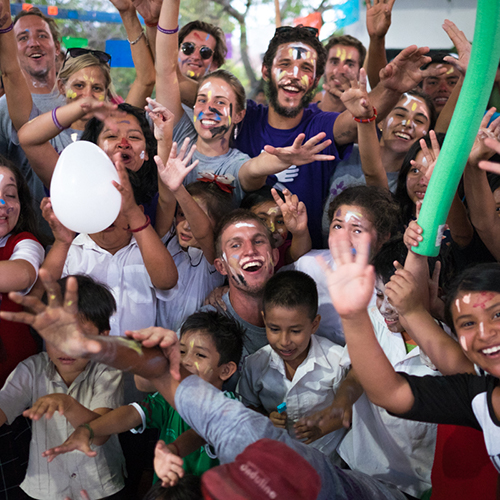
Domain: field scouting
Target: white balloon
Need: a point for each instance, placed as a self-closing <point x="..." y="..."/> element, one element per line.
<point x="82" y="194"/>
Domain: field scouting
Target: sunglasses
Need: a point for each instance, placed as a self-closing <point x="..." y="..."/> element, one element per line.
<point x="287" y="29"/>
<point x="103" y="57"/>
<point x="188" y="48"/>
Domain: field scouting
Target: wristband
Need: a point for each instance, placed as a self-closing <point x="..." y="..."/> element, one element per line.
<point x="6" y="30"/>
<point x="137" y="39"/>
<point x="87" y="426"/>
<point x="56" y="121"/>
<point x="150" y="25"/>
<point x="174" y="444"/>
<point x="167" y="32"/>
<point x="139" y="229"/>
<point x="366" y="120"/>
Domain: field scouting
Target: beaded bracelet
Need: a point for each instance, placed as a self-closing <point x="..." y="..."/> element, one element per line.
<point x="56" y="121"/>
<point x="139" y="229"/>
<point x="87" y="426"/>
<point x="137" y="39"/>
<point x="366" y="120"/>
<point x="6" y="30"/>
<point x="167" y="32"/>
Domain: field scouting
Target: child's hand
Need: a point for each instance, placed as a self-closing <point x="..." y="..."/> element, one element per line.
<point x="175" y="171"/>
<point x="129" y="207"/>
<point x="436" y="305"/>
<point x="480" y="151"/>
<point x="430" y="156"/>
<point x="167" y="340"/>
<point x="214" y="298"/>
<point x="306" y="432"/>
<point x="48" y="405"/>
<point x="61" y="233"/>
<point x="78" y="440"/>
<point x="294" y="211"/>
<point x="351" y="284"/>
<point x="302" y="154"/>
<point x="167" y="465"/>
<point x="163" y="120"/>
<point x="413" y="235"/>
<point x="491" y="166"/>
<point x="402" y="291"/>
<point x="278" y="419"/>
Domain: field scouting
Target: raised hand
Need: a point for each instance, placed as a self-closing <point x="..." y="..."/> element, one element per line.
<point x="351" y="284"/>
<point x="489" y="165"/>
<point x="430" y="156"/>
<point x="60" y="232"/>
<point x="402" y="291"/>
<point x="378" y="17"/>
<point x="101" y="110"/>
<point x="78" y="440"/>
<point x="462" y="45"/>
<point x="163" y="120"/>
<point x="48" y="405"/>
<point x="294" y="211"/>
<point x="168" y="466"/>
<point x="122" y="5"/>
<point x="356" y="99"/>
<point x="56" y="322"/>
<point x="148" y="9"/>
<point x="178" y="165"/>
<point x="480" y="151"/>
<point x="300" y="153"/>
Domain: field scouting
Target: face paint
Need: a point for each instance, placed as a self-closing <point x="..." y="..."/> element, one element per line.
<point x="71" y="94"/>
<point x="463" y="343"/>
<point x="124" y="143"/>
<point x="484" y="298"/>
<point x="101" y="98"/>
<point x="481" y="328"/>
<point x="352" y="215"/>
<point x="243" y="224"/>
<point x="273" y="210"/>
<point x="414" y="106"/>
<point x="298" y="58"/>
<point x="457" y="305"/>
<point x="466" y="298"/>
<point x="141" y="156"/>
<point x="450" y="70"/>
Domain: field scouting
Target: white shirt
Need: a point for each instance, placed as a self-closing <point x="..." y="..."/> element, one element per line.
<point x="388" y="448"/>
<point x="197" y="278"/>
<point x="331" y="324"/>
<point x="264" y="383"/>
<point x="98" y="386"/>
<point x="125" y="275"/>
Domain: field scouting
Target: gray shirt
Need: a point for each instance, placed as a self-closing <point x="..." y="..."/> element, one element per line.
<point x="230" y="427"/>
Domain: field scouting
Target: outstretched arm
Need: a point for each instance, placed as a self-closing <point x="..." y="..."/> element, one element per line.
<point x="351" y="288"/>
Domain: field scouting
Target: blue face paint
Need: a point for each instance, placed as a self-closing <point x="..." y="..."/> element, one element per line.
<point x="216" y="112"/>
<point x="2" y="201"/>
<point x="208" y="36"/>
<point x="200" y="116"/>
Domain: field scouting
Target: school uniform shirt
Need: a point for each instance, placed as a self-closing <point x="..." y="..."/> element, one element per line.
<point x="263" y="383"/>
<point x="330" y="326"/>
<point x="197" y="278"/>
<point x="385" y="447"/>
<point x="98" y="386"/>
<point x="125" y="275"/>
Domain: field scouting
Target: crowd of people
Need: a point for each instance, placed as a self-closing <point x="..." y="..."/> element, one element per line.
<point x="255" y="323"/>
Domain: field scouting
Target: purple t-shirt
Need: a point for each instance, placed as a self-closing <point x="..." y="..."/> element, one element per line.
<point x="312" y="183"/>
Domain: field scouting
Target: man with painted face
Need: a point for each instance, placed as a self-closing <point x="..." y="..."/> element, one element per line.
<point x="292" y="66"/>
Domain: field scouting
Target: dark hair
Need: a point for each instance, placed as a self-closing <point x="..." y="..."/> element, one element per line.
<point x="218" y="202"/>
<point x="347" y="41"/>
<point x="187" y="488"/>
<point x="35" y="11"/>
<point x="27" y="220"/>
<point x="259" y="196"/>
<point x="437" y="57"/>
<point x="145" y="180"/>
<point x="407" y="207"/>
<point x="291" y="289"/>
<point x="220" y="51"/>
<point x="391" y="250"/>
<point x="480" y="278"/>
<point x="233" y="82"/>
<point x="95" y="302"/>
<point x="378" y="203"/>
<point x="238" y="215"/>
<point x="227" y="334"/>
<point x="297" y="34"/>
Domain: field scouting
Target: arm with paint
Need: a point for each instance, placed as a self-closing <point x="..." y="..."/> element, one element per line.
<point x="35" y="135"/>
<point x="295" y="219"/>
<point x="167" y="81"/>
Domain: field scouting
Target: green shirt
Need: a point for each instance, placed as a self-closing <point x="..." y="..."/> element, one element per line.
<point x="158" y="414"/>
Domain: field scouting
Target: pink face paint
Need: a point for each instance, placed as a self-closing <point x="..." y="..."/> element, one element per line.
<point x="124" y="143"/>
<point x="483" y="299"/>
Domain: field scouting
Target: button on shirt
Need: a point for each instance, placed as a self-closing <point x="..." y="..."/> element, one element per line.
<point x="126" y="276"/>
<point x="264" y="383"/>
<point x="98" y="386"/>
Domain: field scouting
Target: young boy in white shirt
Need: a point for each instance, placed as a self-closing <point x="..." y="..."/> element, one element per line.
<point x="63" y="393"/>
<point x="297" y="367"/>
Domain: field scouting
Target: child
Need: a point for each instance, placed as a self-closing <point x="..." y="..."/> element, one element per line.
<point x="297" y="367"/>
<point x="211" y="346"/>
<point x="281" y="213"/>
<point x="79" y="389"/>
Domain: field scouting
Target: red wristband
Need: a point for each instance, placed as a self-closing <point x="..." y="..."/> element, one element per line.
<point x="148" y="222"/>
<point x="366" y="120"/>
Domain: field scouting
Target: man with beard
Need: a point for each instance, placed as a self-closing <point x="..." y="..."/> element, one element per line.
<point x="292" y="67"/>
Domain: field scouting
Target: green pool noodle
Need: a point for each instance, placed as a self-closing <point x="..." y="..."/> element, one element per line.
<point x="463" y="128"/>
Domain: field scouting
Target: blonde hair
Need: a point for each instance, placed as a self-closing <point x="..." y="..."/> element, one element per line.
<point x="75" y="64"/>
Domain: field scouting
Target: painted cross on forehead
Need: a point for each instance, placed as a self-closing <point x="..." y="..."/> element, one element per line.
<point x="295" y="61"/>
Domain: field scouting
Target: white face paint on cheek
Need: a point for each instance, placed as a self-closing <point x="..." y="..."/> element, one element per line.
<point x="481" y="328"/>
<point x="142" y="155"/>
<point x="463" y="343"/>
<point x="243" y="224"/>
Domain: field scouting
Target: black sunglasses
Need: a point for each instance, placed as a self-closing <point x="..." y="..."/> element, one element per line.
<point x="188" y="48"/>
<point x="286" y="29"/>
<point x="103" y="57"/>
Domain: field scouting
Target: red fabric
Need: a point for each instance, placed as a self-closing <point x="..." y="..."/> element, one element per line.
<point x="282" y="254"/>
<point x="462" y="468"/>
<point x="17" y="343"/>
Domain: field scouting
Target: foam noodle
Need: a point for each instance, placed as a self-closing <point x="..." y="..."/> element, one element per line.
<point x="464" y="125"/>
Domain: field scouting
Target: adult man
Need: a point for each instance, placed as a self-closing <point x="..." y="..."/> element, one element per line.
<point x="345" y="54"/>
<point x="292" y="66"/>
<point x="202" y="49"/>
<point x="38" y="46"/>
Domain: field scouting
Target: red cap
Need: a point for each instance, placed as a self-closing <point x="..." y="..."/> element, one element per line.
<point x="266" y="469"/>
